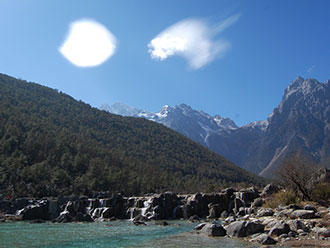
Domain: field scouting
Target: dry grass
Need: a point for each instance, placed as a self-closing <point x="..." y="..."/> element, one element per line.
<point x="282" y="198"/>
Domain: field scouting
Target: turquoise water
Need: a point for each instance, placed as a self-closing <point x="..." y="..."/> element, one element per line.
<point x="107" y="235"/>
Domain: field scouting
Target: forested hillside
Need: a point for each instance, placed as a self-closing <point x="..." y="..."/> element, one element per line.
<point x="51" y="144"/>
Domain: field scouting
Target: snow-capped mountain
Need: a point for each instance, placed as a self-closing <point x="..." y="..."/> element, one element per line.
<point x="196" y="125"/>
<point x="301" y="122"/>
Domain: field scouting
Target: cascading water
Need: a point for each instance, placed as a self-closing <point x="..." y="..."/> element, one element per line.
<point x="147" y="205"/>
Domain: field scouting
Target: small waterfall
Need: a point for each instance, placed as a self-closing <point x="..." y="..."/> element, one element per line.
<point x="133" y="212"/>
<point x="174" y="212"/>
<point x="97" y="213"/>
<point x="89" y="208"/>
<point x="147" y="205"/>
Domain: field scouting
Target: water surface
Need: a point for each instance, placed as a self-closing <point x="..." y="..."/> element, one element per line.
<point x="107" y="235"/>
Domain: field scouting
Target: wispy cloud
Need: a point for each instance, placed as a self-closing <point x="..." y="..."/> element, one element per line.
<point x="311" y="68"/>
<point x="88" y="43"/>
<point x="193" y="39"/>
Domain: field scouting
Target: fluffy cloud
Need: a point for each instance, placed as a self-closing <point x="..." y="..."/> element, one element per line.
<point x="88" y="43"/>
<point x="193" y="39"/>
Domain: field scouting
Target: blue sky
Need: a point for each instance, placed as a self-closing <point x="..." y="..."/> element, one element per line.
<point x="268" y="45"/>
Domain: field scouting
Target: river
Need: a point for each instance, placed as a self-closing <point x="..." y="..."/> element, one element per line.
<point x="107" y="235"/>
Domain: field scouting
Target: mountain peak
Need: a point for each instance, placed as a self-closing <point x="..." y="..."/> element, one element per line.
<point x="300" y="85"/>
<point x="120" y="109"/>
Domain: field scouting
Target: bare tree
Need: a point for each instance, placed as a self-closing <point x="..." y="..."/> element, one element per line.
<point x="295" y="173"/>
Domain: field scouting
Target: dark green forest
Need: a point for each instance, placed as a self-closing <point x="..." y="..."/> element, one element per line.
<point x="51" y="144"/>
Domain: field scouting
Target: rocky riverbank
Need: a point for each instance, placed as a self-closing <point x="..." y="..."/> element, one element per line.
<point x="228" y="213"/>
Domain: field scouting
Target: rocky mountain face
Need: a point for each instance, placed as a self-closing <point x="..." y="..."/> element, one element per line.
<point x="301" y="122"/>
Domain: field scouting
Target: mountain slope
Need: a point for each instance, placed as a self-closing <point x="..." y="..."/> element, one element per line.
<point x="301" y="123"/>
<point x="52" y="144"/>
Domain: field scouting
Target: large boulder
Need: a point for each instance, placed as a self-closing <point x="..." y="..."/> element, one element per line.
<point x="107" y="213"/>
<point x="310" y="207"/>
<point x="264" y="239"/>
<point x="215" y="210"/>
<point x="213" y="230"/>
<point x="303" y="214"/>
<point x="279" y="228"/>
<point x="265" y="212"/>
<point x="244" y="228"/>
<point x="299" y="225"/>
<point x="269" y="190"/>
<point x="38" y="210"/>
<point x="321" y="232"/>
<point x="248" y="195"/>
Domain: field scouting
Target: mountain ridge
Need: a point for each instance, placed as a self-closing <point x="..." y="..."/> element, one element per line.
<point x="52" y="144"/>
<point x="258" y="146"/>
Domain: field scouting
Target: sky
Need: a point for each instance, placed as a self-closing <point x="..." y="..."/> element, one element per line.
<point x="232" y="58"/>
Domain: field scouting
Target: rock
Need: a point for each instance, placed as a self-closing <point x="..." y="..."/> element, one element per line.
<point x="64" y="217"/>
<point x="294" y="207"/>
<point x="248" y="195"/>
<point x="242" y="211"/>
<point x="258" y="202"/>
<point x="107" y="213"/>
<point x="279" y="229"/>
<point x="302" y="214"/>
<point x="321" y="232"/>
<point x="283" y="213"/>
<point x="163" y="223"/>
<point x="194" y="218"/>
<point x="284" y="236"/>
<point x="269" y="189"/>
<point x="213" y="230"/>
<point x="230" y="219"/>
<point x="265" y="212"/>
<point x="244" y="228"/>
<point x="84" y="217"/>
<point x="20" y="203"/>
<point x="140" y="218"/>
<point x="224" y="214"/>
<point x="200" y="226"/>
<point x="292" y="234"/>
<point x="265" y="239"/>
<point x="310" y="207"/>
<point x="215" y="211"/>
<point x="53" y="209"/>
<point x="269" y="222"/>
<point x="297" y="224"/>
<point x="37" y="221"/>
<point x="35" y="211"/>
<point x="139" y="223"/>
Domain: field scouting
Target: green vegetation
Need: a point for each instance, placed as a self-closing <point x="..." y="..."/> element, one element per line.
<point x="51" y="144"/>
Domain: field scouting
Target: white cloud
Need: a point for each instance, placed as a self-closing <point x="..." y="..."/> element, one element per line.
<point x="88" y="43"/>
<point x="192" y="39"/>
<point x="311" y="68"/>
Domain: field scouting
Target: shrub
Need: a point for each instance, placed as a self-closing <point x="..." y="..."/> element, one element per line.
<point x="282" y="198"/>
<point x="321" y="193"/>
